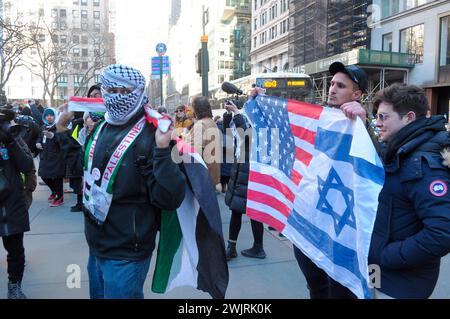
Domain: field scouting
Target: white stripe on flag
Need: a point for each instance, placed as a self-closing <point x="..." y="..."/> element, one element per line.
<point x="348" y="279"/>
<point x="303" y="121"/>
<point x="269" y="190"/>
<point x="187" y="216"/>
<point x="267" y="209"/>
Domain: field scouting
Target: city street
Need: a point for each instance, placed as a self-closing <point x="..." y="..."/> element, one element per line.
<point x="56" y="241"/>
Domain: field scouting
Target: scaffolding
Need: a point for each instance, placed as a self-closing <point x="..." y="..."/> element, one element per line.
<point x="323" y="28"/>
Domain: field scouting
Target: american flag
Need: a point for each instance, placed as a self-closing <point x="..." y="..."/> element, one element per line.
<point x="281" y="147"/>
<point x="315" y="176"/>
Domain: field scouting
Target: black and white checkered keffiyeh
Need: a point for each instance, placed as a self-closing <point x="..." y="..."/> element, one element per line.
<point x="122" y="107"/>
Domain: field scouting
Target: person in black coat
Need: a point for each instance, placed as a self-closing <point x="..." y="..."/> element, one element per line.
<point x="15" y="159"/>
<point x="236" y="195"/>
<point x="121" y="224"/>
<point x="412" y="227"/>
<point x="52" y="167"/>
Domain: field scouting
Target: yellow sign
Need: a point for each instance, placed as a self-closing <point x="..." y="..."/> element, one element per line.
<point x="296" y="83"/>
<point x="270" y="84"/>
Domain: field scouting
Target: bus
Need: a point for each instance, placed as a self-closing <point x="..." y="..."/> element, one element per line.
<point x="296" y="86"/>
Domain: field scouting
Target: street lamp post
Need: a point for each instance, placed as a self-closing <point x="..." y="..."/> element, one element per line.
<point x="204" y="55"/>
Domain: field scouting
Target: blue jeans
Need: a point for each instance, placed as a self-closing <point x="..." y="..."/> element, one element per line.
<point x="117" y="279"/>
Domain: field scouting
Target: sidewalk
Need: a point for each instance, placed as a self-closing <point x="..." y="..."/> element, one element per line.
<point x="56" y="241"/>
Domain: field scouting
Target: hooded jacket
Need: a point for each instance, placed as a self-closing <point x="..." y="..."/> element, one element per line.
<point x="412" y="228"/>
<point x="52" y="163"/>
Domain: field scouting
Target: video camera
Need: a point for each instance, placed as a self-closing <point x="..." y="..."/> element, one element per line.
<point x="6" y="116"/>
<point x="233" y="89"/>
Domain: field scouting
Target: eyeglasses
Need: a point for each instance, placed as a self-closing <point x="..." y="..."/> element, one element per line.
<point x="382" y="116"/>
<point x="178" y="111"/>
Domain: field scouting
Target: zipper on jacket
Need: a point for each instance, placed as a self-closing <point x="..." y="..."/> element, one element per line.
<point x="136" y="243"/>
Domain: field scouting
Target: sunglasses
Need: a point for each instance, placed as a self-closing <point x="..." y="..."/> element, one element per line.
<point x="178" y="111"/>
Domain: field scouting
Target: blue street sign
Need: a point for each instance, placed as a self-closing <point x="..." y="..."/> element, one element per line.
<point x="157" y="65"/>
<point x="157" y="59"/>
<point x="161" y="49"/>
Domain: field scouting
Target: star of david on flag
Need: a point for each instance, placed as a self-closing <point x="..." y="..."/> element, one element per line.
<point x="315" y="176"/>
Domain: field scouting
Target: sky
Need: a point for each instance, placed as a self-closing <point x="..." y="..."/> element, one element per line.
<point x="140" y="26"/>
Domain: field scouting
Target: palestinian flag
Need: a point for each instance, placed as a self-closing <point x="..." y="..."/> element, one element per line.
<point x="191" y="249"/>
<point x="85" y="104"/>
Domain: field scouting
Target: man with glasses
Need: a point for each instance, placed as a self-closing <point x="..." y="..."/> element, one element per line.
<point x="346" y="89"/>
<point x="412" y="228"/>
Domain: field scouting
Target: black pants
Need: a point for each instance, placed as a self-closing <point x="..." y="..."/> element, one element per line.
<point x="76" y="183"/>
<point x="320" y="285"/>
<point x="56" y="185"/>
<point x="15" y="257"/>
<point x="235" y="228"/>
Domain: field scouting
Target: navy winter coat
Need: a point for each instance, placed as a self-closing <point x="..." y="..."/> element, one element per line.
<point x="412" y="228"/>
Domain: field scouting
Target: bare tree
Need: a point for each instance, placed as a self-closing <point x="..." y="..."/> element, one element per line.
<point x="101" y="58"/>
<point x="51" y="60"/>
<point x="14" y="41"/>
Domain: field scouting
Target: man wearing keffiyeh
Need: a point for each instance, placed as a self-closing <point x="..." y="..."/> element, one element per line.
<point x="129" y="178"/>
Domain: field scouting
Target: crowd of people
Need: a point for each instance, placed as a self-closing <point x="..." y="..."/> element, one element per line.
<point x="412" y="228"/>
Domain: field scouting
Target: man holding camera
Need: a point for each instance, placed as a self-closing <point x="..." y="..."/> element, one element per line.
<point x="15" y="159"/>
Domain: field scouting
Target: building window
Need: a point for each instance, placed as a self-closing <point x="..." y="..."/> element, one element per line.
<point x="41" y="12"/>
<point x="96" y="26"/>
<point x="76" y="65"/>
<point x="54" y="38"/>
<point x="84" y="2"/>
<point x="393" y="7"/>
<point x="444" y="52"/>
<point x="96" y="3"/>
<point x="84" y="39"/>
<point x="84" y="65"/>
<point x="63" y="26"/>
<point x="411" y="41"/>
<point x="75" y="1"/>
<point x="256" y="4"/>
<point x="63" y="39"/>
<point x="255" y="42"/>
<point x="76" y="52"/>
<point x="62" y="13"/>
<point x="84" y="26"/>
<point x="96" y="14"/>
<point x="75" y="13"/>
<point x="62" y="78"/>
<point x="84" y="14"/>
<point x="387" y="42"/>
<point x="84" y="52"/>
<point x="76" y="39"/>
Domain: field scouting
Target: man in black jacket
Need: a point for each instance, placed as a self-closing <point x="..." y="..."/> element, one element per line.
<point x="412" y="228"/>
<point x="129" y="178"/>
<point x="15" y="159"/>
<point x="346" y="88"/>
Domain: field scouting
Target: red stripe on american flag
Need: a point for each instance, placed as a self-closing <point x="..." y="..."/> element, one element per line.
<point x="296" y="177"/>
<point x="269" y="201"/>
<point x="305" y="109"/>
<point x="265" y="218"/>
<point x="272" y="182"/>
<point x="303" y="156"/>
<point x="304" y="134"/>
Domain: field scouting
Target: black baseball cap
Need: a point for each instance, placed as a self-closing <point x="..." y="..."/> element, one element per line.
<point x="356" y="74"/>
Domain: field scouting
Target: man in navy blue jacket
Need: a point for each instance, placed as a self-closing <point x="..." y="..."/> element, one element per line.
<point x="412" y="228"/>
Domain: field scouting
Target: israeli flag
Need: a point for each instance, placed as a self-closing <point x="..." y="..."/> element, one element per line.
<point x="336" y="201"/>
